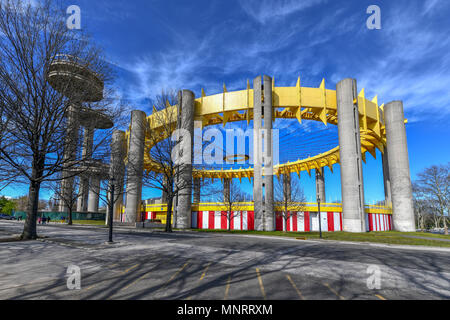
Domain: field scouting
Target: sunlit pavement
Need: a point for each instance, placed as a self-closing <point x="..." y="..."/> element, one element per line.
<point x="197" y="266"/>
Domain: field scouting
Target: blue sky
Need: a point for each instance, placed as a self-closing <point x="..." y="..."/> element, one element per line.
<point x="157" y="45"/>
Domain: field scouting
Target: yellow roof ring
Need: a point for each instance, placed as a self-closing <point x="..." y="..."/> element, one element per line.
<point x="301" y="103"/>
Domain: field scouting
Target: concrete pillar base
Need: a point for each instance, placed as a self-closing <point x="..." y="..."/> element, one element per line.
<point x="354" y="217"/>
<point x="352" y="225"/>
<point x="135" y="167"/>
<point x="399" y="172"/>
<point x="185" y="122"/>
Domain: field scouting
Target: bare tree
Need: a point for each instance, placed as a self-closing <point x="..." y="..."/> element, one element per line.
<point x="70" y="200"/>
<point x="231" y="197"/>
<point x="165" y="168"/>
<point x="289" y="195"/>
<point x="33" y="114"/>
<point x="421" y="207"/>
<point x="433" y="187"/>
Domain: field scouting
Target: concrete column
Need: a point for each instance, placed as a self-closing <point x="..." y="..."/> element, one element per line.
<point x="350" y="156"/>
<point x="82" y="201"/>
<point x="386" y="179"/>
<point x="135" y="167"/>
<point x="197" y="190"/>
<point x="94" y="194"/>
<point x="70" y="154"/>
<point x="88" y="141"/>
<point x="226" y="190"/>
<point x="399" y="172"/>
<point x="117" y="171"/>
<point x="269" y="215"/>
<point x="257" y="154"/>
<point x="320" y="185"/>
<point x="287" y="191"/>
<point x="186" y="100"/>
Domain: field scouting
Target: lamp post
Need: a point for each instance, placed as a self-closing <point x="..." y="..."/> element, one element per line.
<point x="320" y="217"/>
<point x="318" y="204"/>
<point x="110" y="213"/>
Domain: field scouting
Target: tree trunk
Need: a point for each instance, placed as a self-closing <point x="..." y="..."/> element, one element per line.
<point x="286" y="217"/>
<point x="29" y="230"/>
<point x="169" y="215"/>
<point x="70" y="217"/>
<point x="445" y="226"/>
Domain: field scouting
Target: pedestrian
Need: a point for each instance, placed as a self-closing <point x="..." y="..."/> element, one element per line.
<point x="44" y="219"/>
<point x="48" y="220"/>
<point x="39" y="220"/>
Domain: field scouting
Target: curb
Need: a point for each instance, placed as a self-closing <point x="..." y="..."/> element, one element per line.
<point x="372" y="244"/>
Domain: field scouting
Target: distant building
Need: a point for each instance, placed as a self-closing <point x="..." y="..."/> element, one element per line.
<point x="152" y="201"/>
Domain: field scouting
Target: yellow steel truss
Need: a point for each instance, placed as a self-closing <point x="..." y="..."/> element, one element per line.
<point x="301" y="103"/>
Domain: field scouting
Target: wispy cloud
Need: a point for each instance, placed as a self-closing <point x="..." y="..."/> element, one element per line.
<point x="430" y="5"/>
<point x="265" y="11"/>
<point x="414" y="67"/>
<point x="408" y="59"/>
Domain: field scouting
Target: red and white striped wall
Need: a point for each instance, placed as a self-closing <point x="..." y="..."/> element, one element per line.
<point x="308" y="221"/>
<point x="221" y="220"/>
<point x="150" y="215"/>
<point x="379" y="222"/>
<point x="296" y="222"/>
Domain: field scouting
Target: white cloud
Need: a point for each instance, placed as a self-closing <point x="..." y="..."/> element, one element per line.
<point x="264" y="11"/>
<point x="415" y="67"/>
<point x="429" y="6"/>
<point x="411" y="60"/>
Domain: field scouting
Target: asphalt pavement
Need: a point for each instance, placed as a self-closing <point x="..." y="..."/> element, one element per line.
<point x="209" y="266"/>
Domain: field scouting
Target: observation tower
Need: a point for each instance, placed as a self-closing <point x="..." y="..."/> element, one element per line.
<point x="69" y="76"/>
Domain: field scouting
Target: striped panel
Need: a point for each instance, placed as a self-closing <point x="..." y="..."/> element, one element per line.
<point x="294" y="222"/>
<point x="205" y="216"/>
<point x="237" y="220"/>
<point x="307" y="222"/>
<point x="287" y="221"/>
<point x="337" y="221"/>
<point x="224" y="221"/>
<point x="244" y="220"/>
<point x="218" y="220"/>
<point x="300" y="221"/>
<point x="251" y="220"/>
<point x="330" y="220"/>
<point x="211" y="220"/>
<point x="278" y="221"/>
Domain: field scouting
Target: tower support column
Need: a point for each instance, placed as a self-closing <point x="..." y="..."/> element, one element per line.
<point x="82" y="201"/>
<point x="94" y="194"/>
<point x="70" y="153"/>
<point x="257" y="154"/>
<point x="399" y="172"/>
<point x="135" y="167"/>
<point x="263" y="154"/>
<point x="269" y="218"/>
<point x="386" y="179"/>
<point x="185" y="123"/>
<point x="88" y="141"/>
<point x="350" y="157"/>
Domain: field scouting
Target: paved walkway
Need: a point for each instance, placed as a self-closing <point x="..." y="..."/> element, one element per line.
<point x="203" y="266"/>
